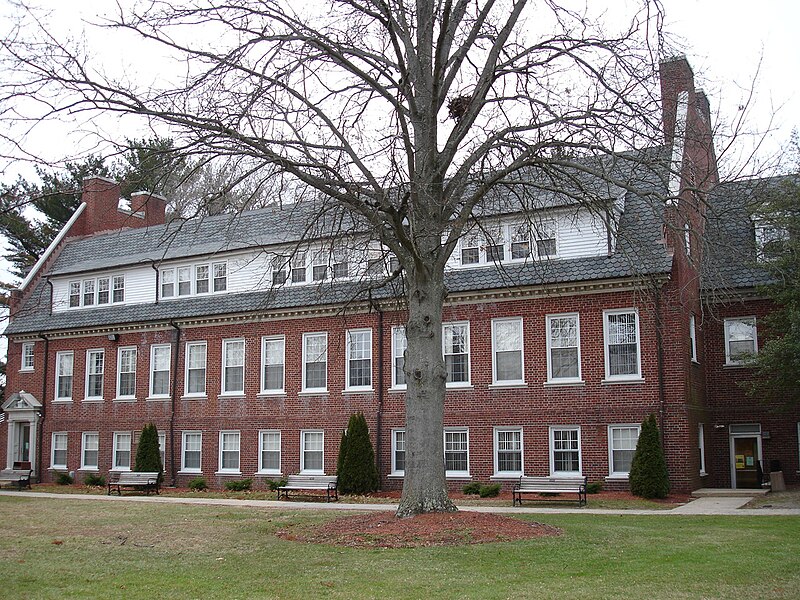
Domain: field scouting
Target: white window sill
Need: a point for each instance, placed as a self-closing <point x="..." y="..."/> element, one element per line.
<point x="450" y="387"/>
<point x="125" y="399"/>
<point x="695" y="362"/>
<point x="507" y="385"/>
<point x="736" y="366"/>
<point x="622" y="381"/>
<point x="703" y="474"/>
<point x="397" y="475"/>
<point x="57" y="468"/>
<point x="347" y="391"/>
<point x="27" y="370"/>
<point x="271" y="394"/>
<point x="505" y="476"/>
<point x="397" y="390"/>
<point x="232" y="395"/>
<point x="312" y="473"/>
<point x="319" y="392"/>
<point x="190" y="472"/>
<point x="617" y="477"/>
<point x="157" y="398"/>
<point x="120" y="470"/>
<point x="268" y="473"/>
<point x="566" y="474"/>
<point x="233" y="473"/>
<point x="457" y="475"/>
<point x="565" y="383"/>
<point x="194" y="397"/>
<point x="62" y="401"/>
<point x="92" y="400"/>
<point x="89" y="470"/>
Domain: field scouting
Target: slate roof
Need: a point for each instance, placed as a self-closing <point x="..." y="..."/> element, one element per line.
<point x="639" y="252"/>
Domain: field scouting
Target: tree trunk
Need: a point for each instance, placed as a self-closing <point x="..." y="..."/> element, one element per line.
<point x="424" y="486"/>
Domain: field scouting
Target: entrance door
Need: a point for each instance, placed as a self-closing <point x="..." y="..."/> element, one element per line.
<point x="745" y="459"/>
<point x="23" y="442"/>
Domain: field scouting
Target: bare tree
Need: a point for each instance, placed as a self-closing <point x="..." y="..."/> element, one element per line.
<point x="409" y="115"/>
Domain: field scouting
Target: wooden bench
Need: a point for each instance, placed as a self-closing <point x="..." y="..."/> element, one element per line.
<point x="310" y="483"/>
<point x="133" y="480"/>
<point x="550" y="485"/>
<point x="19" y="476"/>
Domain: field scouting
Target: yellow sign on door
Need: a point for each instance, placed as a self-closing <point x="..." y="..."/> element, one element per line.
<point x="740" y="461"/>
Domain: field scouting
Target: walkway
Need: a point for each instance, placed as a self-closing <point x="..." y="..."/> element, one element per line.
<point x="701" y="506"/>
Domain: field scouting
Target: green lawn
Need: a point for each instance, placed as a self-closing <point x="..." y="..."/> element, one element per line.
<point x="62" y="548"/>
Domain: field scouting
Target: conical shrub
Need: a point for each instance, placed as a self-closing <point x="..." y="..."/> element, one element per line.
<point x="357" y="471"/>
<point x="649" y="477"/>
<point x="148" y="454"/>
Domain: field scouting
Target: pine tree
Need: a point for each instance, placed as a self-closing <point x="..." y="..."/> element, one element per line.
<point x="357" y="472"/>
<point x="649" y="477"/>
<point x="343" y="446"/>
<point x="148" y="454"/>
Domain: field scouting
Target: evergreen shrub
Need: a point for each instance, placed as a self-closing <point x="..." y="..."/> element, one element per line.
<point x="357" y="471"/>
<point x="148" y="454"/>
<point x="649" y="477"/>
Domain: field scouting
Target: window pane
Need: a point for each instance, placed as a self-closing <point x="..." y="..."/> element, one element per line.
<point x="399" y="450"/>
<point x="455" y="451"/>
<point x="399" y="348"/>
<point x="220" y="277"/>
<point x="271" y="451"/>
<point x="313" y="445"/>
<point x="622" y="344"/>
<point x="273" y="364"/>
<point x="509" y="451"/>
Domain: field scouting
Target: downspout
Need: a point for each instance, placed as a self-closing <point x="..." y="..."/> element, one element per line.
<point x="158" y="289"/>
<point x="660" y="358"/>
<point x="176" y="339"/>
<point x="40" y="425"/>
<point x="379" y="415"/>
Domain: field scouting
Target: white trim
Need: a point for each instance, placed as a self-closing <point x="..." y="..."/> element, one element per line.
<point x="454" y="474"/>
<point x="53" y="464"/>
<point x="225" y="343"/>
<point x="230" y="471"/>
<point x="184" y="469"/>
<point x="348" y="343"/>
<point x="693" y="338"/>
<point x="59" y="355"/>
<point x="395" y="471"/>
<point x="497" y="473"/>
<point x="114" y="465"/>
<point x="153" y="347"/>
<point x="701" y="443"/>
<point x="553" y="472"/>
<point x="521" y="349"/>
<point x="755" y="432"/>
<point x="86" y="396"/>
<point x="84" y="466"/>
<point x="726" y="327"/>
<point x="562" y="380"/>
<point x="637" y="376"/>
<point x="186" y="354"/>
<point x="273" y="391"/>
<point x="468" y="382"/>
<point x="53" y="245"/>
<point x="397" y="386"/>
<point x="119" y="372"/>
<point x="303" y="469"/>
<point x="612" y="474"/>
<point x="23" y="367"/>
<point x="261" y="469"/>
<point x="316" y="390"/>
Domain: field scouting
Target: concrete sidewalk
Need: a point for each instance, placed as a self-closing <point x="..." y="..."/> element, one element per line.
<point x="700" y="506"/>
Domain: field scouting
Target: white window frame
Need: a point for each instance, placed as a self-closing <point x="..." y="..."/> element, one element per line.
<point x="496" y="452"/>
<point x="187" y="353"/>
<point x="223" y="267"/>
<point x="701" y="445"/>
<point x="58" y="435"/>
<point x="114" y="450"/>
<point x="230" y="470"/>
<point x="84" y="448"/>
<point x="74" y="290"/>
<point x="184" y="274"/>
<point x="224" y="391"/>
<point x="468" y="382"/>
<point x="549" y="346"/>
<point x="545" y="226"/>
<point x="59" y="357"/>
<point x="693" y="338"/>
<point x="89" y="292"/>
<point x="115" y="288"/>
<point x="727" y="325"/>
<point x="161" y="283"/>
<point x="687" y="239"/>
<point x="398" y="332"/>
<point x="121" y="396"/>
<point x="766" y="232"/>
<point x="153" y="349"/>
<point x="102" y="375"/>
<point x="27" y="352"/>
<point x="553" y="472"/>
<point x="270" y="339"/>
<point x="626" y="376"/>
<point x="348" y="347"/>
<point x="454" y="474"/>
<point x="104" y="287"/>
<point x="521" y="350"/>
<point x="162" y="449"/>
<point x="395" y="471"/>
<point x="613" y="474"/>
<point x="184" y="435"/>
<point x="261" y="468"/>
<point x="307" y="336"/>
<point x="303" y="469"/>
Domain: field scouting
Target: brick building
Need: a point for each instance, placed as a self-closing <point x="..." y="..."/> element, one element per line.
<point x="249" y="342"/>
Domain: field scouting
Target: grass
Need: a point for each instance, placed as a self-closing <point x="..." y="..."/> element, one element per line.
<point x="613" y="502"/>
<point x="61" y="548"/>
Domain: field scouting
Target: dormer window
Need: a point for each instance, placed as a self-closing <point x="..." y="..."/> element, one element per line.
<point x="341" y="265"/>
<point x="771" y="240"/>
<point x="520" y="242"/>
<point x="186" y="280"/>
<point x="470" y="249"/>
<point x="319" y="269"/>
<point x="103" y="293"/>
<point x="299" y="267"/>
<point x="495" y="245"/>
<point x="279" y="266"/>
<point x="220" y="276"/>
<point x="167" y="283"/>
<point x="201" y="279"/>
<point x="546" y="241"/>
<point x="95" y="291"/>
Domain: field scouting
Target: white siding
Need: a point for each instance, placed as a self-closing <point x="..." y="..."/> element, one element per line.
<point x="140" y="284"/>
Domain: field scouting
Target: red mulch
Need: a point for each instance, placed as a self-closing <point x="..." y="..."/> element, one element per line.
<point x="384" y="530"/>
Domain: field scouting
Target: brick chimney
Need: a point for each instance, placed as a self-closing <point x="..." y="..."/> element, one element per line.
<point x="104" y="213"/>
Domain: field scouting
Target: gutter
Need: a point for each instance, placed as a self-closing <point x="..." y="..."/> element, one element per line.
<point x="40" y="424"/>
<point x="176" y="339"/>
<point x="379" y="416"/>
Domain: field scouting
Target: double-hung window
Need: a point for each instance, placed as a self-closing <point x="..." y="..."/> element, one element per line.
<point x="470" y="248"/>
<point x="280" y="264"/>
<point x="27" y="356"/>
<point x="741" y="340"/>
<point x="622" y="441"/>
<point x="359" y="359"/>
<point x="565" y="451"/>
<point x="455" y="347"/>
<point x="399" y="346"/>
<point x="563" y="348"/>
<point x="495" y="244"/>
<point x="58" y="458"/>
<point x="319" y="267"/>
<point x="167" y="277"/>
<point x="341" y="264"/>
<point x="546" y="239"/>
<point x="162" y="449"/>
<point x="195" y="368"/>
<point x="229" y="451"/>
<point x="315" y="362"/>
<point x="220" y="271"/>
<point x="74" y="294"/>
<point x="269" y="452"/>
<point x="201" y="275"/>
<point x="233" y="366"/>
<point x="312" y="452"/>
<point x="692" y="338"/>
<point x="95" y="367"/>
<point x="701" y="447"/>
<point x="508" y="452"/>
<point x="398" y="451"/>
<point x="126" y="373"/>
<point x="118" y="288"/>
<point x="103" y="291"/>
<point x="90" y="447"/>
<point x="507" y="351"/>
<point x="192" y="445"/>
<point x="184" y="281"/>
<point x="622" y="352"/>
<point x="456" y="452"/>
<point x="160" y="355"/>
<point x="298" y="267"/>
<point x="88" y="292"/>
<point x="64" y="363"/>
<point x="122" y="451"/>
<point x="520" y="241"/>
<point x="272" y="364"/>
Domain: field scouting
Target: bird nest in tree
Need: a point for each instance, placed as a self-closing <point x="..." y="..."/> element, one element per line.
<point x="384" y="530"/>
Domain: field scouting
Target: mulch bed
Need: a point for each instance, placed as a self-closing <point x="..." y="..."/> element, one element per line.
<point x="384" y="530"/>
